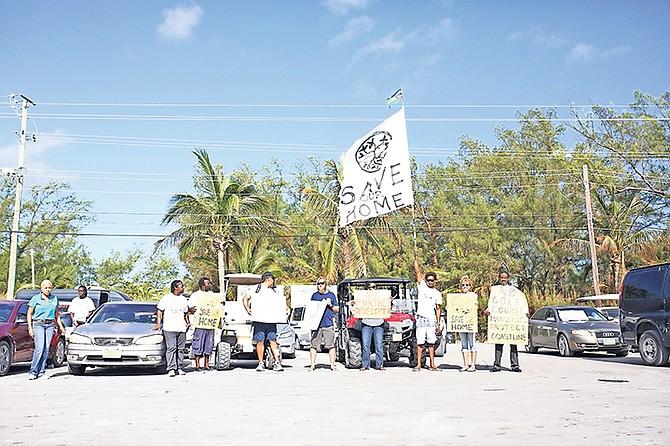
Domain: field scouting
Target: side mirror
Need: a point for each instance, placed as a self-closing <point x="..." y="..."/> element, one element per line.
<point x="610" y="318"/>
<point x="21" y="319"/>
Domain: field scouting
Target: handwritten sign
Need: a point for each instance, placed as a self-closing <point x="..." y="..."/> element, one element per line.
<point x="507" y="323"/>
<point x="209" y="310"/>
<point x="314" y="313"/>
<point x="372" y="304"/>
<point x="462" y="312"/>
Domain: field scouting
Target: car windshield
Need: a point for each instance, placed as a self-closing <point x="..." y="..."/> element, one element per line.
<point x="298" y="314"/>
<point x="580" y="315"/>
<point x="114" y="313"/>
<point x="611" y="312"/>
<point x="5" y="311"/>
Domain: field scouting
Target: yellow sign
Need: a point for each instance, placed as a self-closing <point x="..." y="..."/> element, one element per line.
<point x="373" y="304"/>
<point x="462" y="312"/>
<point x="209" y="310"/>
<point x="508" y="320"/>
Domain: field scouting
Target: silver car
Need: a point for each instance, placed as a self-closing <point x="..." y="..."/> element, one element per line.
<point x="574" y="329"/>
<point x="118" y="334"/>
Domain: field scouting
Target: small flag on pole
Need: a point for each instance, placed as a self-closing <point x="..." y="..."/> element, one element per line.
<point x="395" y="98"/>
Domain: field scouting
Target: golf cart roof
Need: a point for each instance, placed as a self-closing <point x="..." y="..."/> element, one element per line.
<point x="377" y="280"/>
<point x="598" y="297"/>
<point x="243" y="279"/>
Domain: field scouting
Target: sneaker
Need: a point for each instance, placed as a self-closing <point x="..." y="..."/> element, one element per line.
<point x="260" y="367"/>
<point x="32" y="377"/>
<point x="172" y="373"/>
<point x="495" y="369"/>
<point x="516" y="369"/>
<point x="277" y="367"/>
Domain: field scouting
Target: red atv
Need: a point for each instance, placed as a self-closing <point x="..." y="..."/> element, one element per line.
<point x="399" y="329"/>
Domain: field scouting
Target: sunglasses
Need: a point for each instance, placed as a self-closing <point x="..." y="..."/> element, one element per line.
<point x="465" y="285"/>
<point x="430" y="280"/>
<point x="321" y="283"/>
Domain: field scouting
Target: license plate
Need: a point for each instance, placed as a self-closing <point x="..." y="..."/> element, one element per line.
<point x="111" y="353"/>
<point x="609" y="341"/>
<point x="397" y="337"/>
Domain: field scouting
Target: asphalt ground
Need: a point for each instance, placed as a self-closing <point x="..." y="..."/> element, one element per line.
<point x="595" y="399"/>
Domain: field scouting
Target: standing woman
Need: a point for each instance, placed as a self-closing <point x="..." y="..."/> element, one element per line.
<point x="468" y="339"/>
<point x="43" y="317"/>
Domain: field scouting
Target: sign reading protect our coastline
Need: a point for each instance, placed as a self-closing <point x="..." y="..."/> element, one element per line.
<point x="462" y="312"/>
<point x="507" y="323"/>
<point x="209" y="311"/>
<point x="376" y="174"/>
<point x="372" y="304"/>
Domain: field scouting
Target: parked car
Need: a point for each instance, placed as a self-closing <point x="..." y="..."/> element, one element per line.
<point x="607" y="304"/>
<point x="118" y="334"/>
<point x="645" y="312"/>
<point x="16" y="345"/>
<point x="574" y="329"/>
<point x="99" y="296"/>
<point x="297" y="321"/>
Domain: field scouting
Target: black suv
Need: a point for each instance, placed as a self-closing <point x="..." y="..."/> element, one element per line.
<point x="645" y="312"/>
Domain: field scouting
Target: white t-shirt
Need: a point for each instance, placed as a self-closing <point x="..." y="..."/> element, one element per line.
<point x="80" y="308"/>
<point x="173" y="308"/>
<point x="267" y="306"/>
<point x="428" y="298"/>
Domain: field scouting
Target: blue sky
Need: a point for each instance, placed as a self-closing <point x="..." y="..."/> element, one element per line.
<point x="126" y="89"/>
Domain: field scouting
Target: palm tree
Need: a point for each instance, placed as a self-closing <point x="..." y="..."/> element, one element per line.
<point x="220" y="212"/>
<point x="342" y="254"/>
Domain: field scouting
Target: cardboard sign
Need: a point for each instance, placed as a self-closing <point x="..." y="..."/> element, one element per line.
<point x="462" y="312"/>
<point x="314" y="313"/>
<point x="507" y="323"/>
<point x="209" y="310"/>
<point x="372" y="304"/>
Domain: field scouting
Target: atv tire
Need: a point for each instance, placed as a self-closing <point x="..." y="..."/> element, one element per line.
<point x="223" y="356"/>
<point x="354" y="358"/>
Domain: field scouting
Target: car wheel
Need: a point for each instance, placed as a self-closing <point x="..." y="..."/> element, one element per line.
<point x="530" y="348"/>
<point x="652" y="350"/>
<point x="5" y="357"/>
<point x="354" y="358"/>
<point x="59" y="353"/>
<point x="76" y="369"/>
<point x="564" y="346"/>
<point x="222" y="356"/>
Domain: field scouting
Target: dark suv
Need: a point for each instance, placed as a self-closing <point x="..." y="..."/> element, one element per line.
<point x="645" y="312"/>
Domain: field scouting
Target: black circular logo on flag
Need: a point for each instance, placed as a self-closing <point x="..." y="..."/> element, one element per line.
<point x="372" y="151"/>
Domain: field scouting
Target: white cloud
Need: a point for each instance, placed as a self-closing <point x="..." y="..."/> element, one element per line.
<point x="179" y="22"/>
<point x="352" y="29"/>
<point x="584" y="52"/>
<point x="342" y="7"/>
<point x="536" y="34"/>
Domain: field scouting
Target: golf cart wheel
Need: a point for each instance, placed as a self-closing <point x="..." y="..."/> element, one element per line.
<point x="223" y="356"/>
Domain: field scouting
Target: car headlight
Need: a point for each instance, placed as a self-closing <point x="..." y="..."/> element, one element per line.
<point x="582" y="332"/>
<point x="77" y="338"/>
<point x="150" y="340"/>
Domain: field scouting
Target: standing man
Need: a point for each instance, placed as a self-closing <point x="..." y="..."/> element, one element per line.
<point x="172" y="312"/>
<point x="325" y="333"/>
<point x="203" y="338"/>
<point x="42" y="318"/>
<point x="427" y="315"/>
<point x="506" y="290"/>
<point x="266" y="309"/>
<point x="81" y="307"/>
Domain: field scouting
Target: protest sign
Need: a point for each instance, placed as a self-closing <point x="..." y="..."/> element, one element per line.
<point x="462" y="312"/>
<point x="314" y="313"/>
<point x="372" y="304"/>
<point x="209" y="310"/>
<point x="507" y="322"/>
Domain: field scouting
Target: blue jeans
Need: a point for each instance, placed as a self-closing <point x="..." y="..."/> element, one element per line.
<point x="367" y="333"/>
<point x="43" y="334"/>
<point x="467" y="342"/>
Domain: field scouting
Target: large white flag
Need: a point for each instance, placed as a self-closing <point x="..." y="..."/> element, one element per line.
<point x="377" y="177"/>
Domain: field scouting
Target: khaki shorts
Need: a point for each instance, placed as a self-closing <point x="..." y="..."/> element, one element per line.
<point x="325" y="335"/>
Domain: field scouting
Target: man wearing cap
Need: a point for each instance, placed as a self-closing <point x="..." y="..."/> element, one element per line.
<point x="266" y="309"/>
<point x="325" y="333"/>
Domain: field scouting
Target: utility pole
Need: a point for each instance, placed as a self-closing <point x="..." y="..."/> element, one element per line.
<point x="589" y="224"/>
<point x="14" y="240"/>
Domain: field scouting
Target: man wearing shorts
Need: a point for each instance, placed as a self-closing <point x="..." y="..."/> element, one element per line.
<point x="203" y="338"/>
<point x="427" y="315"/>
<point x="266" y="309"/>
<point x="325" y="333"/>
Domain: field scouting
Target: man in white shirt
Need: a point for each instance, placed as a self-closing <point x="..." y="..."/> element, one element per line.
<point x="266" y="308"/>
<point x="81" y="307"/>
<point x="172" y="312"/>
<point x="427" y="315"/>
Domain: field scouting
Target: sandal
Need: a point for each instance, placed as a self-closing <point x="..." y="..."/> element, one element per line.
<point x="434" y="369"/>
<point x="312" y="368"/>
<point x="416" y="369"/>
<point x="333" y="368"/>
<point x="465" y="368"/>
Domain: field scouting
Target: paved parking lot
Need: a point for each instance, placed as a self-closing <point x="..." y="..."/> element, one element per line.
<point x="596" y="400"/>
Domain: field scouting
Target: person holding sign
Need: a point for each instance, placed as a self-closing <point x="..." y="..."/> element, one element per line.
<point x="325" y="333"/>
<point x="266" y="309"/>
<point x="508" y="320"/>
<point x="203" y="303"/>
<point x="372" y="327"/>
<point x="427" y="315"/>
<point x="468" y="348"/>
